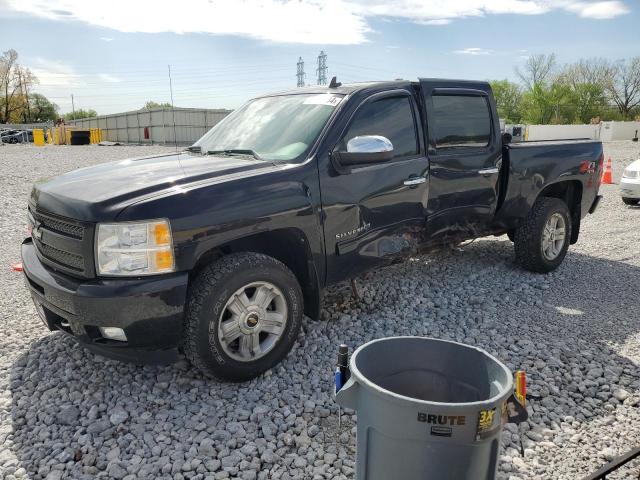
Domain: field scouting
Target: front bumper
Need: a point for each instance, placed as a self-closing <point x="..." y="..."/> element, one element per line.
<point x="630" y="187"/>
<point x="150" y="310"/>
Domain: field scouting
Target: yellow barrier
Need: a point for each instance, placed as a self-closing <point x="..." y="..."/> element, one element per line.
<point x="49" y="136"/>
<point x="95" y="135"/>
<point x="38" y="137"/>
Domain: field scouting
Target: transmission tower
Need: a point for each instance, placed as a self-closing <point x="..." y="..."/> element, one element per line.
<point x="322" y="68"/>
<point x="300" y="73"/>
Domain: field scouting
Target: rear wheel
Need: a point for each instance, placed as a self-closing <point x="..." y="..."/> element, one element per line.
<point x="542" y="241"/>
<point x="630" y="201"/>
<point x="243" y="316"/>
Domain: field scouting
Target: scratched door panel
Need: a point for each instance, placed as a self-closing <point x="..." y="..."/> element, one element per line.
<point x="371" y="217"/>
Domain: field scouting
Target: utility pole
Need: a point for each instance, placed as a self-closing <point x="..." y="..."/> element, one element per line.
<point x="73" y="107"/>
<point x="300" y="73"/>
<point x="322" y="68"/>
<point x="173" y="110"/>
<point x="24" y="113"/>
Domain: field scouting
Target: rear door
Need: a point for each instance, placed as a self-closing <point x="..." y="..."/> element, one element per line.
<point x="465" y="152"/>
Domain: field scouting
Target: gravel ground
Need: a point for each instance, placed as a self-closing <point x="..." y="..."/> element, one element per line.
<point x="65" y="413"/>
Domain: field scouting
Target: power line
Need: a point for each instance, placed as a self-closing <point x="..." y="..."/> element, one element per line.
<point x="300" y="73"/>
<point x="322" y="68"/>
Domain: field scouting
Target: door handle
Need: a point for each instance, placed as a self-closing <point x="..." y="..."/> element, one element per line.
<point x="488" y="171"/>
<point x="413" y="181"/>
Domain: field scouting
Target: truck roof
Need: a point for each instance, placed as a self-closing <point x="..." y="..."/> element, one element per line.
<point x="342" y="89"/>
<point x="353" y="87"/>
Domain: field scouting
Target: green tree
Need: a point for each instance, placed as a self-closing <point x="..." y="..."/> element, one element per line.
<point x="41" y="109"/>
<point x="78" y="114"/>
<point x="546" y="103"/>
<point x="151" y="105"/>
<point x="9" y="84"/>
<point x="588" y="101"/>
<point x="508" y="97"/>
<point x="587" y="79"/>
<point x="537" y="70"/>
<point x="624" y="86"/>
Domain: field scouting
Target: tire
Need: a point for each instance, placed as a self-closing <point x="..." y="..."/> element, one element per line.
<point x="212" y="297"/>
<point x="530" y="240"/>
<point x="630" y="201"/>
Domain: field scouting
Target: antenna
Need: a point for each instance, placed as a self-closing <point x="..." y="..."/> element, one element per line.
<point x="322" y="68"/>
<point x="300" y="73"/>
<point x="173" y="110"/>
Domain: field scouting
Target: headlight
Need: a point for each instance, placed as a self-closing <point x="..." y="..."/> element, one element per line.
<point x="134" y="248"/>
<point x="630" y="173"/>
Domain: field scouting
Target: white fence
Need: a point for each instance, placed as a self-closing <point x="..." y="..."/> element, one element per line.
<point x="604" y="131"/>
<point x="560" y="132"/>
<point x="155" y="126"/>
<point x="619" y="130"/>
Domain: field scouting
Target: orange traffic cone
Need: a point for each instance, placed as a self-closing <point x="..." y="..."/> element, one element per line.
<point x="607" y="174"/>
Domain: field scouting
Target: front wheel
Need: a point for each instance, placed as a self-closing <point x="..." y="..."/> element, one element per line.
<point x="243" y="316"/>
<point x="542" y="241"/>
<point x="630" y="201"/>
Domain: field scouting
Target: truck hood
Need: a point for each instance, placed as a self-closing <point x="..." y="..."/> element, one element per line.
<point x="101" y="192"/>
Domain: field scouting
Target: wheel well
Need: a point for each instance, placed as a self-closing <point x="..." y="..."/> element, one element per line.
<point x="570" y="192"/>
<point x="291" y="247"/>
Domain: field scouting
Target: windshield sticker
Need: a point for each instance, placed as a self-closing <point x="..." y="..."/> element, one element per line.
<point x="324" y="99"/>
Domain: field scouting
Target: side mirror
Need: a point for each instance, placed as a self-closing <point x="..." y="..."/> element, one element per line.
<point x="365" y="150"/>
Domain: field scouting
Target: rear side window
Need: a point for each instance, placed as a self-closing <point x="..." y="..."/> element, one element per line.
<point x="390" y="117"/>
<point x="460" y="121"/>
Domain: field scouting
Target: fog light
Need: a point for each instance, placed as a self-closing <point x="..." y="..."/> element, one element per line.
<point x="113" y="333"/>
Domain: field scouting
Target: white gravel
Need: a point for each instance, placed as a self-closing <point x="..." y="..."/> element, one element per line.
<point x="65" y="413"/>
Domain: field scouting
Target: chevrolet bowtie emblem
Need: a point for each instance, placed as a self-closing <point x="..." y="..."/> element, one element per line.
<point x="36" y="232"/>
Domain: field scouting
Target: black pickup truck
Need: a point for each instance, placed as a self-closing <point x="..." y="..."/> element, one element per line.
<point x="219" y="250"/>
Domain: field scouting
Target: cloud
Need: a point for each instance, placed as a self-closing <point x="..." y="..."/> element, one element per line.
<point x="108" y="78"/>
<point x="53" y="72"/>
<point x="598" y="10"/>
<point x="295" y="21"/>
<point x="437" y="21"/>
<point x="106" y="39"/>
<point x="473" y="51"/>
<point x="56" y="73"/>
<point x="322" y="22"/>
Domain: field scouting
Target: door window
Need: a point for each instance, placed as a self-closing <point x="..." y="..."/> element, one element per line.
<point x="390" y="117"/>
<point x="461" y="121"/>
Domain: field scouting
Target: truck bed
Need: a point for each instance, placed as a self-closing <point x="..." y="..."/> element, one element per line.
<point x="531" y="167"/>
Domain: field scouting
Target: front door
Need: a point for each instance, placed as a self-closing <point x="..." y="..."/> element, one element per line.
<point x="374" y="213"/>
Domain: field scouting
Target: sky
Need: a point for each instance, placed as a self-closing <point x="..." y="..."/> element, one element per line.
<point x="114" y="56"/>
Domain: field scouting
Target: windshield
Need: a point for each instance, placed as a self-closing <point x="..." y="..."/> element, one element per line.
<point x="281" y="128"/>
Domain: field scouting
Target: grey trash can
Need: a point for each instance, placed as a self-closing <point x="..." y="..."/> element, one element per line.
<point x="427" y="409"/>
